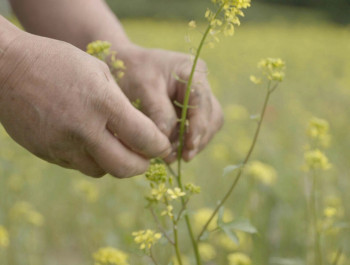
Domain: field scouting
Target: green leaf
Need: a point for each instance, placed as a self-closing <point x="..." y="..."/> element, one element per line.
<point x="232" y="235"/>
<point x="220" y="216"/>
<point x="243" y="225"/>
<point x="230" y="169"/>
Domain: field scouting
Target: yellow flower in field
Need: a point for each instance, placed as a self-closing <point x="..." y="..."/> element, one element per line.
<point x="4" y="237"/>
<point x="168" y="211"/>
<point x="159" y="192"/>
<point x="262" y="172"/>
<point x="316" y="159"/>
<point x="156" y="173"/>
<point x="272" y="68"/>
<point x="255" y="80"/>
<point x="110" y="256"/>
<point x="192" y="24"/>
<point x="318" y="130"/>
<point x="24" y="211"/>
<point x="146" y="238"/>
<point x="330" y="212"/>
<point x="87" y="190"/>
<point x="202" y="216"/>
<point x="175" y="193"/>
<point x="239" y="259"/>
<point x="225" y="242"/>
<point x="207" y="251"/>
<point x="194" y="189"/>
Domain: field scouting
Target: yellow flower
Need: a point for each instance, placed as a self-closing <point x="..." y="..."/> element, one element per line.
<point x="25" y="211"/>
<point x="4" y="237"/>
<point x="207" y="251"/>
<point x="110" y="256"/>
<point x="225" y="242"/>
<point x="202" y="216"/>
<point x="318" y="130"/>
<point x="194" y="189"/>
<point x="168" y="211"/>
<point x="146" y="238"/>
<point x="158" y="192"/>
<point x="262" y="172"/>
<point x="330" y="212"/>
<point x="316" y="159"/>
<point x="192" y="24"/>
<point x="272" y="68"/>
<point x="175" y="193"/>
<point x="99" y="49"/>
<point x="239" y="259"/>
<point x="255" y="80"/>
<point x="156" y="173"/>
<point x="87" y="190"/>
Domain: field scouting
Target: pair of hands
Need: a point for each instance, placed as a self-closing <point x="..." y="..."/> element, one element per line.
<point x="64" y="106"/>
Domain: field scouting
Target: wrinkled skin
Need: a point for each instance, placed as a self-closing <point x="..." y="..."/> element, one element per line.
<point x="152" y="76"/>
<point x="64" y="106"/>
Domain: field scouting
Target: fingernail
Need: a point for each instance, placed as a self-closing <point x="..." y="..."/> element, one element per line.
<point x="191" y="154"/>
<point x="196" y="141"/>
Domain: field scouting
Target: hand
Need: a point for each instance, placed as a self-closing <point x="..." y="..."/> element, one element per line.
<point x="151" y="77"/>
<point x="64" y="106"/>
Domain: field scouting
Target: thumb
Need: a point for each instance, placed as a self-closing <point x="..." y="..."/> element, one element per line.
<point x="134" y="129"/>
<point x="159" y="108"/>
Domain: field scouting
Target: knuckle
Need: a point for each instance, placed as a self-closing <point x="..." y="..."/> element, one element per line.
<point x="128" y="170"/>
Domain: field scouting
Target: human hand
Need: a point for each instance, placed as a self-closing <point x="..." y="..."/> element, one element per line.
<point x="153" y="77"/>
<point x="64" y="106"/>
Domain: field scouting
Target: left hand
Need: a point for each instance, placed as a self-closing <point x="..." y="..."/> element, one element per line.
<point x="151" y="76"/>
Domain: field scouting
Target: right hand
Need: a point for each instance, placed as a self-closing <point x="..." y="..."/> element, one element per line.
<point x="64" y="106"/>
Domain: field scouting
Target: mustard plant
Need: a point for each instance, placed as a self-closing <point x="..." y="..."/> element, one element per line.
<point x="169" y="196"/>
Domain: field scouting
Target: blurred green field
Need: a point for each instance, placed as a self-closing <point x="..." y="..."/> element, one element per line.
<point x="76" y="219"/>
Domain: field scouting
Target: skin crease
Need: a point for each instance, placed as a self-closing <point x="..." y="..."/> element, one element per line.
<point x="64" y="109"/>
<point x="149" y="75"/>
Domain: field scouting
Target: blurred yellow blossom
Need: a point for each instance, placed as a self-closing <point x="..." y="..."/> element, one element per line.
<point x="318" y="130"/>
<point x="316" y="159"/>
<point x="99" y="49"/>
<point x="341" y="258"/>
<point x="110" y="256"/>
<point x="4" y="237"/>
<point x="202" y="215"/>
<point x="168" y="211"/>
<point x="24" y="211"/>
<point x="158" y="192"/>
<point x="207" y="251"/>
<point x="239" y="259"/>
<point x="192" y="188"/>
<point x="255" y="80"/>
<point x="175" y="193"/>
<point x="146" y="238"/>
<point x="192" y="24"/>
<point x="87" y="190"/>
<point x="272" y="68"/>
<point x="262" y="172"/>
<point x="225" y="242"/>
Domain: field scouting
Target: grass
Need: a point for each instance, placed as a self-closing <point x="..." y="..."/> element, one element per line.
<point x="317" y="54"/>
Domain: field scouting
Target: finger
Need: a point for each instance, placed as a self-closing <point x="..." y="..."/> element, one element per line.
<point x="114" y="158"/>
<point x="88" y="166"/>
<point x="199" y="114"/>
<point x="216" y="123"/>
<point x="159" y="108"/>
<point x="134" y="129"/>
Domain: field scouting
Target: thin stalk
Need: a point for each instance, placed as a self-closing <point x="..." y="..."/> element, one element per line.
<point x="317" y="237"/>
<point x="160" y="227"/>
<point x="176" y="239"/>
<point x="239" y="173"/>
<point x="152" y="257"/>
<point x="182" y="133"/>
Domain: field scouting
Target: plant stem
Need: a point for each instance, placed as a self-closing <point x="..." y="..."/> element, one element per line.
<point x="160" y="227"/>
<point x="317" y="237"/>
<point x="182" y="133"/>
<point x="152" y="257"/>
<point x="239" y="173"/>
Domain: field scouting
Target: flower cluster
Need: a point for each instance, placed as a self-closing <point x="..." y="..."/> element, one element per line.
<point x="24" y="211"/>
<point x="87" y="190"/>
<point x="102" y="50"/>
<point x="239" y="259"/>
<point x="316" y="159"/>
<point x="264" y="173"/>
<point x="231" y="10"/>
<point x="272" y="68"/>
<point x="318" y="130"/>
<point x="110" y="256"/>
<point x="4" y="237"/>
<point x="146" y="238"/>
<point x="193" y="189"/>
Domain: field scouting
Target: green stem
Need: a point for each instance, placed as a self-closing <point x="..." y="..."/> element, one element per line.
<point x="317" y="237"/>
<point x="152" y="257"/>
<point x="176" y="239"/>
<point x="239" y="174"/>
<point x="182" y="133"/>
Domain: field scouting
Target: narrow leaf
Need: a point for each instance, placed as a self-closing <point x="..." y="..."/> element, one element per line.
<point x="230" y="169"/>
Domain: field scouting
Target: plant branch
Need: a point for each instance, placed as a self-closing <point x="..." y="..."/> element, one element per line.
<point x="160" y="227"/>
